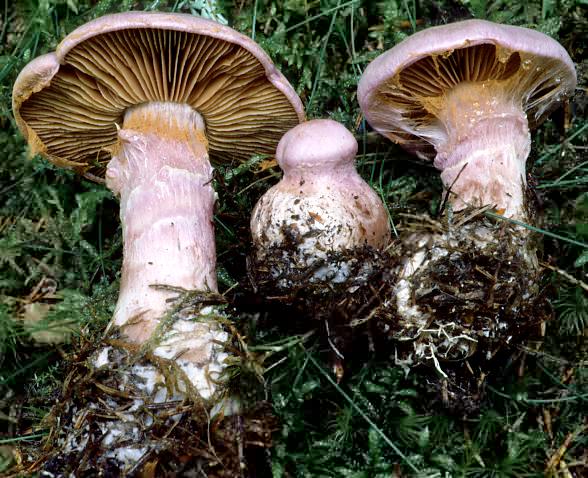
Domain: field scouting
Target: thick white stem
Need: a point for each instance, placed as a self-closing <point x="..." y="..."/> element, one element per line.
<point x="160" y="171"/>
<point x="162" y="175"/>
<point x="483" y="156"/>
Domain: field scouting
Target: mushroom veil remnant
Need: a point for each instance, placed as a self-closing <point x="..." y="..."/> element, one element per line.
<point x="466" y="95"/>
<point x="143" y="99"/>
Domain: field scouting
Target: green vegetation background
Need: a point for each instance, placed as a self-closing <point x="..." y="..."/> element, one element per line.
<point x="60" y="244"/>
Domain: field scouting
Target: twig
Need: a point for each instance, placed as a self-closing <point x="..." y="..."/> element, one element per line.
<point x="556" y="458"/>
<point x="563" y="273"/>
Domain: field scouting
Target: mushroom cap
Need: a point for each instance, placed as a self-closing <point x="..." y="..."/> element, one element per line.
<point x="399" y="90"/>
<point x="314" y="144"/>
<point x="69" y="104"/>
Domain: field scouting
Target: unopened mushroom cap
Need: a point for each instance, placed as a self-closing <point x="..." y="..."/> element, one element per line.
<point x="400" y="90"/>
<point x="321" y="204"/>
<point x="316" y="143"/>
<point x="68" y="104"/>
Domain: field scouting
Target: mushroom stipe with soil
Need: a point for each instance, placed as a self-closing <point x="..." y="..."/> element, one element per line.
<point x="320" y="206"/>
<point x="319" y="235"/>
<point x="467" y="95"/>
<point x="142" y="99"/>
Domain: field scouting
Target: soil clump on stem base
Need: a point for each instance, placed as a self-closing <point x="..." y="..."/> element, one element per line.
<point x="450" y="298"/>
<point x="116" y="407"/>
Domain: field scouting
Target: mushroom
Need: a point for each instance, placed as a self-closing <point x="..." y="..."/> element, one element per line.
<point x="142" y="99"/>
<point x="306" y="227"/>
<point x="467" y="95"/>
<point x="319" y="234"/>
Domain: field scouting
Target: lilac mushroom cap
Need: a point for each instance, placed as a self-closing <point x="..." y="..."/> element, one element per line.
<point x="316" y="144"/>
<point x="322" y="204"/>
<point x="68" y="103"/>
<point x="468" y="93"/>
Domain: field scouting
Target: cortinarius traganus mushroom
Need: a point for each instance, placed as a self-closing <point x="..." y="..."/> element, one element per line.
<point x="321" y="207"/>
<point x="467" y="95"/>
<point x="142" y="98"/>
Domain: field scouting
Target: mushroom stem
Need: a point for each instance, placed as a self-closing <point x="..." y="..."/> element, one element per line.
<point x="160" y="170"/>
<point x="483" y="155"/>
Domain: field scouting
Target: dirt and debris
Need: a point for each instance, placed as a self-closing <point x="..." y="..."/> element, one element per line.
<point x="110" y="412"/>
<point x="448" y="297"/>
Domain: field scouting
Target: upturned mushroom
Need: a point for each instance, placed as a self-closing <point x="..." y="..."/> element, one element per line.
<point x="307" y="228"/>
<point x="467" y="95"/>
<point x="142" y="99"/>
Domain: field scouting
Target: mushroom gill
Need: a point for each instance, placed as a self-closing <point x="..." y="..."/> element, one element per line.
<point x="420" y="91"/>
<point x="76" y="116"/>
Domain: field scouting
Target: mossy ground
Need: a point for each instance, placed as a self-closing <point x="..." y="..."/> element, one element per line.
<point x="60" y="244"/>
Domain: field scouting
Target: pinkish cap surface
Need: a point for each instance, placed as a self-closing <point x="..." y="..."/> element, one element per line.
<point x="399" y="88"/>
<point x="68" y="103"/>
<point x="315" y="143"/>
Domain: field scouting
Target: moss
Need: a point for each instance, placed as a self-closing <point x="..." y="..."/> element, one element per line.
<point x="108" y="416"/>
